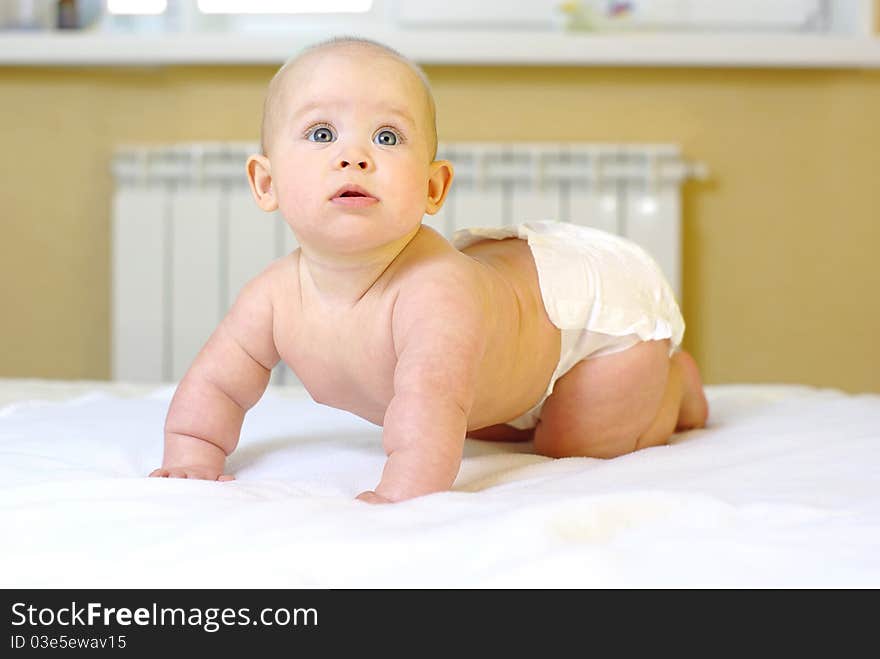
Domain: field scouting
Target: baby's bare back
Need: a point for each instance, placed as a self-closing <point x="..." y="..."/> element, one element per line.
<point x="487" y="297"/>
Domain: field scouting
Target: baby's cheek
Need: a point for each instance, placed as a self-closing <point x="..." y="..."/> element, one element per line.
<point x="415" y="197"/>
<point x="294" y="203"/>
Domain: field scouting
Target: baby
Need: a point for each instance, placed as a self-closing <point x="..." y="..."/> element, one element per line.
<point x="549" y="332"/>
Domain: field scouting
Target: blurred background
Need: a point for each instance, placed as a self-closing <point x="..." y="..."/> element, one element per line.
<point x="780" y="100"/>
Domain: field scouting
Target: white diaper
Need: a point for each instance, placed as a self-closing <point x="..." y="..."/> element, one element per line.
<point x="603" y="291"/>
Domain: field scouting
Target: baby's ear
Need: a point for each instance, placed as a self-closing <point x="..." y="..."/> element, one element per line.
<point x="259" y="173"/>
<point x="439" y="181"/>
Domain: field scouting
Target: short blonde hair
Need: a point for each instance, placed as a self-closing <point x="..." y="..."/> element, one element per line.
<point x="270" y="105"/>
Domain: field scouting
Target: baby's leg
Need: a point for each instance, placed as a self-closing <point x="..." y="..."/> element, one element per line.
<point x="617" y="403"/>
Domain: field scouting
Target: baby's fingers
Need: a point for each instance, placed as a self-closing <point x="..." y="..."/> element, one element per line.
<point x="173" y="473"/>
<point x="196" y="474"/>
<point x="371" y="497"/>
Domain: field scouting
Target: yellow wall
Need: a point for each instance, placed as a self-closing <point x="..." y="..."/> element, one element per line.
<point x="781" y="246"/>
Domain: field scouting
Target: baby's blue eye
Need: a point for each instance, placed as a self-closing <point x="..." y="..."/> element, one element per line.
<point x="386" y="137"/>
<point x="321" y="134"/>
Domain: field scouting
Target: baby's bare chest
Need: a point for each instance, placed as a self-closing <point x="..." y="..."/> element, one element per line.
<point x="343" y="359"/>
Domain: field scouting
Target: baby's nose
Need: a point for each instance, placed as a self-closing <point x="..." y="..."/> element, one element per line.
<point x="362" y="164"/>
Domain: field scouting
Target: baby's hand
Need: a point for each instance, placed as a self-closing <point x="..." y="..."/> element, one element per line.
<point x="197" y="472"/>
<point x="371" y="497"/>
<point x="191" y="457"/>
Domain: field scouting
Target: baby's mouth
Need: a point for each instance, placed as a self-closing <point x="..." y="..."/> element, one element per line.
<point x="353" y="196"/>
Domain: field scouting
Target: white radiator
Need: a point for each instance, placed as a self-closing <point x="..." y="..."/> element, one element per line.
<point x="187" y="234"/>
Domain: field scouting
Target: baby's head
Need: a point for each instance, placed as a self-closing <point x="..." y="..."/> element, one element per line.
<point x="349" y="113"/>
<point x="273" y="107"/>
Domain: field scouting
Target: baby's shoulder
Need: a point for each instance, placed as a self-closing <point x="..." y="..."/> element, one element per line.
<point x="433" y="267"/>
<point x="272" y="284"/>
<point x="440" y="282"/>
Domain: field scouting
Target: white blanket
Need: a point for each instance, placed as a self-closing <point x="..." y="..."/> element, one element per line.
<point x="781" y="490"/>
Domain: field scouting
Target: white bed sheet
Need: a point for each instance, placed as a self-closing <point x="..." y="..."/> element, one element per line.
<point x="781" y="490"/>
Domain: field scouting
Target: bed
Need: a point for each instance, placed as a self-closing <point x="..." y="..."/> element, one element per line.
<point x="781" y="490"/>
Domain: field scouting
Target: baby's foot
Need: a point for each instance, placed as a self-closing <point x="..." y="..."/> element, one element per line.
<point x="694" y="408"/>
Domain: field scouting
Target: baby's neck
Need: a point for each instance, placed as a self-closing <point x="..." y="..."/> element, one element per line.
<point x="344" y="279"/>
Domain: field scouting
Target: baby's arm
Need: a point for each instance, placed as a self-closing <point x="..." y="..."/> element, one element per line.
<point x="227" y="378"/>
<point x="439" y="337"/>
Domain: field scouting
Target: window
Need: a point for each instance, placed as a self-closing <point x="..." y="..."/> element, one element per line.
<point x="851" y="17"/>
<point x="283" y="6"/>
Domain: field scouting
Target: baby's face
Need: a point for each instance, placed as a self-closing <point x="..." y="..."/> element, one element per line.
<point x="350" y="157"/>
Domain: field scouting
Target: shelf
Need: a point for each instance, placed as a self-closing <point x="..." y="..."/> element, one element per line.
<point x="437" y="47"/>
